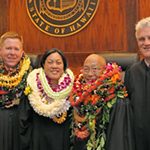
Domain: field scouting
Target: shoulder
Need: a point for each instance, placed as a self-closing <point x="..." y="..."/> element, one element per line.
<point x="136" y="67"/>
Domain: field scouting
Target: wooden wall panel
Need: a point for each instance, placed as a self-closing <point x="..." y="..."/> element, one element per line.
<point x="106" y="32"/>
<point x="3" y="16"/>
<point x="111" y="29"/>
<point x="143" y="9"/>
<point x="131" y="19"/>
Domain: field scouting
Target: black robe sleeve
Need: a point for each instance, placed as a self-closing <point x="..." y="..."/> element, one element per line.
<point x="25" y="121"/>
<point x="119" y="131"/>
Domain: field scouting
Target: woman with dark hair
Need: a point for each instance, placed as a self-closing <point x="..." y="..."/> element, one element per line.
<point x="47" y="119"/>
<point x="54" y="50"/>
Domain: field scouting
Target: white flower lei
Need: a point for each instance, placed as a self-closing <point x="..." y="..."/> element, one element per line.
<point x="59" y="103"/>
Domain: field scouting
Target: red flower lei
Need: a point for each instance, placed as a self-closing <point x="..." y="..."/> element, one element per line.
<point x="89" y="99"/>
<point x="81" y="91"/>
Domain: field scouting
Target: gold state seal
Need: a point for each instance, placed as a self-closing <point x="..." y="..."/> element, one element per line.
<point x="61" y="17"/>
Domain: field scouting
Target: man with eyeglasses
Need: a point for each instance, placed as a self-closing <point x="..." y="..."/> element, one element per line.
<point x="101" y="111"/>
<point x="91" y="67"/>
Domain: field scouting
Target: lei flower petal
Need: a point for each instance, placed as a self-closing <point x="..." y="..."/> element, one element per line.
<point x="46" y="102"/>
<point x="61" y="94"/>
<point x="89" y="100"/>
<point x="12" y="86"/>
<point x="13" y="81"/>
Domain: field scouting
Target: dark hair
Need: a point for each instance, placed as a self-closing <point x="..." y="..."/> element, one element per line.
<point x="54" y="50"/>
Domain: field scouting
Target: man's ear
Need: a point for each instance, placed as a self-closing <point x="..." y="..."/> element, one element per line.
<point x="0" y="56"/>
<point x="0" y="52"/>
<point x="23" y="52"/>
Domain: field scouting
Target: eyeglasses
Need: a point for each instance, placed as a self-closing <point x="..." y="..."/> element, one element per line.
<point x="93" y="70"/>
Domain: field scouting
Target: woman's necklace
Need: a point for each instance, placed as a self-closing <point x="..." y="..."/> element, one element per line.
<point x="46" y="101"/>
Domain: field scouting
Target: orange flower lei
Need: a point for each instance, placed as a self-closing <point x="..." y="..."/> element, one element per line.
<point x="89" y="100"/>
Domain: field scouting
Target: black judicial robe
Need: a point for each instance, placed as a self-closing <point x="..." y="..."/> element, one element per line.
<point x="41" y="133"/>
<point x="9" y="128"/>
<point x="137" y="81"/>
<point x="118" y="131"/>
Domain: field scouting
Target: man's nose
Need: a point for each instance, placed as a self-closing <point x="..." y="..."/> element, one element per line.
<point x="90" y="72"/>
<point x="12" y="51"/>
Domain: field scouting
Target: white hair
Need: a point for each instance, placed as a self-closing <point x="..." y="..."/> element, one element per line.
<point x="145" y="22"/>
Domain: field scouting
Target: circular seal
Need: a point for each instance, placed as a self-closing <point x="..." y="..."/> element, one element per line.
<point x="61" y="17"/>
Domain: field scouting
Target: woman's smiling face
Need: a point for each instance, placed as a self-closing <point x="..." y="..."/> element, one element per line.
<point x="54" y="66"/>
